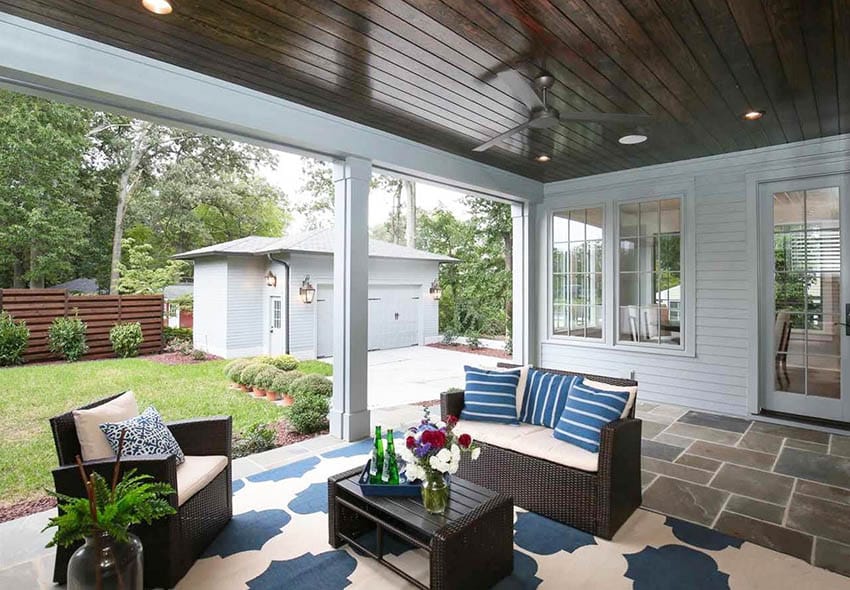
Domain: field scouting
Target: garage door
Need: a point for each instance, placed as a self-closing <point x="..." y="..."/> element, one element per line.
<point x="393" y="318"/>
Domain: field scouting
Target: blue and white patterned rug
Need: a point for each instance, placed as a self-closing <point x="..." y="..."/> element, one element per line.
<point x="279" y="539"/>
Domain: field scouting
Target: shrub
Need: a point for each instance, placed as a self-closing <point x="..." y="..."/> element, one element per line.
<point x="233" y="368"/>
<point x="309" y="413"/>
<point x="473" y="339"/>
<point x="171" y="334"/>
<point x="199" y="355"/>
<point x="126" y="339"/>
<point x="311" y="385"/>
<point x="250" y="372"/>
<point x="449" y="336"/>
<point x="184" y="347"/>
<point x="264" y="359"/>
<point x="256" y="439"/>
<point x="509" y="345"/>
<point x="283" y="380"/>
<point x="285" y="362"/>
<point x="14" y="336"/>
<point x="265" y="377"/>
<point x="67" y="338"/>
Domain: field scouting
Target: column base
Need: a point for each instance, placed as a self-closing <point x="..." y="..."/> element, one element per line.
<point x="349" y="427"/>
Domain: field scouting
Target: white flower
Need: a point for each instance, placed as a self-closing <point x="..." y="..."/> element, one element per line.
<point x="407" y="455"/>
<point x="453" y="468"/>
<point x="455" y="453"/>
<point x="438" y="465"/>
<point x="441" y="424"/>
<point x="444" y="455"/>
<point x="414" y="472"/>
<point x="476" y="452"/>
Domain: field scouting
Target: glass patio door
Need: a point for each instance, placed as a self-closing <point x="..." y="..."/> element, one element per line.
<point x="805" y="308"/>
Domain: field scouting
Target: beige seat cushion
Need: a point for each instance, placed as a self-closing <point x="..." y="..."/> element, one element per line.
<point x="195" y="473"/>
<point x="93" y="443"/>
<point x="608" y="387"/>
<point x="501" y="435"/>
<point x="545" y="446"/>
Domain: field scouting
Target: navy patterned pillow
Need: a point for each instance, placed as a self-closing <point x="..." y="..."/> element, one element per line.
<point x="146" y="434"/>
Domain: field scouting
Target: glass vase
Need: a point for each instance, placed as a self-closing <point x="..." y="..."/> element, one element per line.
<point x="103" y="563"/>
<point x="435" y="493"/>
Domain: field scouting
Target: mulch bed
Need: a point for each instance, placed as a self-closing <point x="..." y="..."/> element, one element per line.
<point x="494" y="352"/>
<point x="175" y="358"/>
<point x="25" y="508"/>
<point x="287" y="436"/>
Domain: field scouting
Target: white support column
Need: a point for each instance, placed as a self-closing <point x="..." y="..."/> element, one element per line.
<point x="524" y="328"/>
<point x="349" y="417"/>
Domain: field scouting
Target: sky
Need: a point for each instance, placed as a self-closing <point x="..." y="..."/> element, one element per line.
<point x="287" y="176"/>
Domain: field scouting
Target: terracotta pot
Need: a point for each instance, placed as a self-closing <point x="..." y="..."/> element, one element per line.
<point x="259" y="392"/>
<point x="242" y="387"/>
<point x="271" y="395"/>
<point x="286" y="399"/>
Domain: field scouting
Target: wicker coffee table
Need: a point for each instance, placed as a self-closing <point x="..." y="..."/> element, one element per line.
<point x="469" y="547"/>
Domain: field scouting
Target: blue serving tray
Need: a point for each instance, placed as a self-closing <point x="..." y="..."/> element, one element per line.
<point x="406" y="489"/>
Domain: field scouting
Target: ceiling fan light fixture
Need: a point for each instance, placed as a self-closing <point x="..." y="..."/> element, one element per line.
<point x="753" y="115"/>
<point x="633" y="139"/>
<point x="542" y="158"/>
<point x="158" y="6"/>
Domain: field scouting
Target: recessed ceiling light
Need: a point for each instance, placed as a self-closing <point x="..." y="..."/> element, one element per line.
<point x="158" y="6"/>
<point x="753" y="115"/>
<point x="632" y="139"/>
<point x="542" y="158"/>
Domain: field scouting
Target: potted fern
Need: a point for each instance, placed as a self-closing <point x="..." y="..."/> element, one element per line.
<point x="111" y="556"/>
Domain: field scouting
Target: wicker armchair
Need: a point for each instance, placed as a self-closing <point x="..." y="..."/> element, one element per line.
<point x="172" y="544"/>
<point x="598" y="503"/>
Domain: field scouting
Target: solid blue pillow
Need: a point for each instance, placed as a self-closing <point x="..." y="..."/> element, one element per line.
<point x="490" y="396"/>
<point x="146" y="434"/>
<point x="587" y="410"/>
<point x="545" y="396"/>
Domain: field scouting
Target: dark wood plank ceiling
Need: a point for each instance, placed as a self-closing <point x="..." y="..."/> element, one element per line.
<point x="423" y="68"/>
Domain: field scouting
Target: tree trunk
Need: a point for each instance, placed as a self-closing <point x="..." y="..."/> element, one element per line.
<point x="126" y="183"/>
<point x="36" y="282"/>
<point x="409" y="188"/>
<point x="18" y="274"/>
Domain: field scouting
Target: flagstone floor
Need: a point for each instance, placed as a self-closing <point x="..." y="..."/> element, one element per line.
<point x="783" y="487"/>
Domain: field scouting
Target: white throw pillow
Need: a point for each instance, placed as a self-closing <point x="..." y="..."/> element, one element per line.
<point x="93" y="443"/>
<point x="608" y="387"/>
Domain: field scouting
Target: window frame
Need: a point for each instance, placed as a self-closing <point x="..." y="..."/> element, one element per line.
<point x="550" y="276"/>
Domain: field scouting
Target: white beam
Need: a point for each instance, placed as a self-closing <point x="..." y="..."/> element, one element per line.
<point x="349" y="417"/>
<point x="524" y="303"/>
<point x="42" y="60"/>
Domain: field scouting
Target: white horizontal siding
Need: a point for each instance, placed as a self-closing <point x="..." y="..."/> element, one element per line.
<point x="720" y="374"/>
<point x="246" y="285"/>
<point x="209" y="331"/>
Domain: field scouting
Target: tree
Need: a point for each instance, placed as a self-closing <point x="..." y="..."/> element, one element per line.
<point x="142" y="274"/>
<point x="494" y="221"/>
<point x="44" y="194"/>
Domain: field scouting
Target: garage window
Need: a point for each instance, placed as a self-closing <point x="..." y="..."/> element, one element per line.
<point x="577" y="250"/>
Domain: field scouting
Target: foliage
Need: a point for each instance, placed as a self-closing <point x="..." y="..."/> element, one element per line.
<point x="234" y="368"/>
<point x="309" y="412"/>
<point x="126" y="338"/>
<point x="285" y="362"/>
<point x="135" y="499"/>
<point x="310" y="385"/>
<point x="180" y="345"/>
<point x="473" y="339"/>
<point x="199" y="355"/>
<point x="171" y="334"/>
<point x="453" y="390"/>
<point x="509" y="345"/>
<point x="185" y="303"/>
<point x="264" y="378"/>
<point x="66" y="337"/>
<point x="14" y="336"/>
<point x="248" y="375"/>
<point x="256" y="439"/>
<point x="317" y="367"/>
<point x="143" y="275"/>
<point x="449" y="336"/>
<point x="283" y="380"/>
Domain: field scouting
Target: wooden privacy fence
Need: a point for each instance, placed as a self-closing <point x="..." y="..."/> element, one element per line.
<point x="39" y="307"/>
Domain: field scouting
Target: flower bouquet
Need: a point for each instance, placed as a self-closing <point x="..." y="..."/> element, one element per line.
<point x="432" y="451"/>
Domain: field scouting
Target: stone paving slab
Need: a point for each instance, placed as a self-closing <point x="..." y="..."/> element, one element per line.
<point x="717" y="421"/>
<point x="703" y="433"/>
<point x="764" y="533"/>
<point x="684" y="499"/>
<point x="756" y="509"/>
<point x="754" y="483"/>
<point x="738" y="456"/>
<point x="828" y="469"/>
<point x="820" y="517"/>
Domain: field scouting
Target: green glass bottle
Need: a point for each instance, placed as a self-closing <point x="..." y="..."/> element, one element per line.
<point x="376" y="464"/>
<point x="390" y="471"/>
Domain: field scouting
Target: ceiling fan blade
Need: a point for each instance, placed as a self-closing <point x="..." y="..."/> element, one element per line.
<point x="625" y="118"/>
<point x="520" y="88"/>
<point x="501" y="137"/>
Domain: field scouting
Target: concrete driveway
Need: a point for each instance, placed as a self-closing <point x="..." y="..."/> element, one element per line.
<point x="415" y="374"/>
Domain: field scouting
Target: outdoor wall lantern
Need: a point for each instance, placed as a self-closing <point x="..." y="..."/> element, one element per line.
<point x="271" y="279"/>
<point x="307" y="291"/>
<point x="435" y="291"/>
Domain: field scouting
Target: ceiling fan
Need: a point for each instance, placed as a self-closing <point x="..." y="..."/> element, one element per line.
<point x="535" y="96"/>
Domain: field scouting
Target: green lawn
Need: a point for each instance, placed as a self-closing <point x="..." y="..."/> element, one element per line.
<point x="31" y="395"/>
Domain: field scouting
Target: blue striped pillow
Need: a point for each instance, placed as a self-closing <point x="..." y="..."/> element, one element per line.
<point x="545" y="396"/>
<point x="490" y="396"/>
<point x="587" y="410"/>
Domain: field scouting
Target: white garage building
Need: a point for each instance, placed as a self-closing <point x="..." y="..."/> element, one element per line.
<point x="248" y="301"/>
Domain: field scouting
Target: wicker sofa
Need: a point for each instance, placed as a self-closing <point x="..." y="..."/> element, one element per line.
<point x="172" y="544"/>
<point x="597" y="501"/>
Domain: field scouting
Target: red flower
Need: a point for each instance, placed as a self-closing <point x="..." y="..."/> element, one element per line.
<point x="464" y="440"/>
<point x="451" y="420"/>
<point x="435" y="438"/>
<point x="411" y="442"/>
